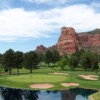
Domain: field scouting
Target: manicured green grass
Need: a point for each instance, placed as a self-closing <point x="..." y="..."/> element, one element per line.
<point x="24" y="80"/>
<point x="37" y="78"/>
<point x="95" y="96"/>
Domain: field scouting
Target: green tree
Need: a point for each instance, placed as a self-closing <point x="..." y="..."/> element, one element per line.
<point x="8" y="60"/>
<point x="31" y="60"/>
<point x="1" y="58"/>
<point x="0" y="62"/>
<point x="89" y="60"/>
<point x="18" y="60"/>
<point x="63" y="62"/>
<point x="84" y="61"/>
<point x="73" y="61"/>
<point x="94" y="62"/>
<point x="55" y="57"/>
<point x="41" y="57"/>
<point x="48" y="57"/>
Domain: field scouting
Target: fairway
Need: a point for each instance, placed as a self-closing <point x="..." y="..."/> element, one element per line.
<point x="37" y="78"/>
<point x="42" y="76"/>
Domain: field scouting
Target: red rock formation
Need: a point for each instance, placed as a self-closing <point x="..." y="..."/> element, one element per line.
<point x="68" y="41"/>
<point x="90" y="40"/>
<point x="41" y="49"/>
<point x="52" y="47"/>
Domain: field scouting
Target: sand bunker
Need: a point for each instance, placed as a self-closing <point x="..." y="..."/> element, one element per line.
<point x="41" y="86"/>
<point x="89" y="77"/>
<point x="69" y="84"/>
<point x="58" y="73"/>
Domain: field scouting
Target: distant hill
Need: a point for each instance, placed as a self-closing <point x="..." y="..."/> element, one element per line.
<point x="96" y="31"/>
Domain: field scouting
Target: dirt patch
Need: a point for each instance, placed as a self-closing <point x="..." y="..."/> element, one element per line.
<point x="41" y="86"/>
<point x="89" y="77"/>
<point x="69" y="84"/>
<point x="58" y="73"/>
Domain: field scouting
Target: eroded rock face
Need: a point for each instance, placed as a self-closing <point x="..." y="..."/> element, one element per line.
<point x="54" y="47"/>
<point x="68" y="41"/>
<point x="90" y="40"/>
<point x="41" y="49"/>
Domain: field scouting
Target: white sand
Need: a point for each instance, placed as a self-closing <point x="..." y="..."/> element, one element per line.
<point x="69" y="84"/>
<point x="58" y="73"/>
<point x="41" y="86"/>
<point x="89" y="77"/>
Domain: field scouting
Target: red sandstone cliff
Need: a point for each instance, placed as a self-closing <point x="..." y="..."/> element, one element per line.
<point x="68" y="41"/>
<point x="90" y="40"/>
<point x="41" y="49"/>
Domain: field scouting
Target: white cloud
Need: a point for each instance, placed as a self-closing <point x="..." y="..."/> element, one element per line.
<point x="21" y="24"/>
<point x="18" y="24"/>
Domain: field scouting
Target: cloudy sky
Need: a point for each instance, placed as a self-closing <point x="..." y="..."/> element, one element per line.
<point x="24" y="24"/>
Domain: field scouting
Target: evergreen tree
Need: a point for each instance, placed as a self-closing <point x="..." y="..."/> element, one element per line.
<point x="18" y="60"/>
<point x="8" y="60"/>
<point x="89" y="61"/>
<point x="74" y="61"/>
<point x="85" y="61"/>
<point x="31" y="60"/>
<point x="63" y="62"/>
<point x="55" y="56"/>
<point x="48" y="57"/>
<point x="0" y="62"/>
<point x="94" y="62"/>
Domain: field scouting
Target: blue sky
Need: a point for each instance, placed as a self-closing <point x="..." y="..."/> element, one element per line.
<point x="25" y="24"/>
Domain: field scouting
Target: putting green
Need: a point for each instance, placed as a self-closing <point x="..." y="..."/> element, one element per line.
<point x="36" y="78"/>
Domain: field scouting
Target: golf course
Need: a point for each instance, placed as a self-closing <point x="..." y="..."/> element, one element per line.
<point x="56" y="78"/>
<point x="50" y="71"/>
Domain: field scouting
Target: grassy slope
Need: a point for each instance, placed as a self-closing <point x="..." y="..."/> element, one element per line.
<point x="13" y="81"/>
<point x="95" y="96"/>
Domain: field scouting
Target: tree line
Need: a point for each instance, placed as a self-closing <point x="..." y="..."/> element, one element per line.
<point x="30" y="60"/>
<point x="81" y="59"/>
<point x="86" y="60"/>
